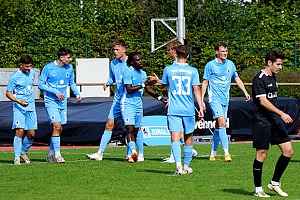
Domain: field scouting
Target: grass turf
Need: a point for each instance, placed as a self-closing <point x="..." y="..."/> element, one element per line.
<point x="112" y="178"/>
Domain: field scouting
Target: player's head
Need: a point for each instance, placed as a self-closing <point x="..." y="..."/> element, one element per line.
<point x="274" y="59"/>
<point x="171" y="48"/>
<point x="64" y="55"/>
<point x="221" y="49"/>
<point x="135" y="60"/>
<point x="182" y="52"/>
<point x="26" y="63"/>
<point x="119" y="47"/>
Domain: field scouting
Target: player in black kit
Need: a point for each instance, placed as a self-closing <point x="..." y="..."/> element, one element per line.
<point x="267" y="126"/>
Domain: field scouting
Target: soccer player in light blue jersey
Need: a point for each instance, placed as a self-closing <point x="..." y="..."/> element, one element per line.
<point x="217" y="79"/>
<point x="20" y="91"/>
<point x="181" y="82"/>
<point x="117" y="68"/>
<point x="135" y="81"/>
<point x="54" y="81"/>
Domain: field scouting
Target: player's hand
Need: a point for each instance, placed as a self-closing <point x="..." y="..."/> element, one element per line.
<point x="78" y="99"/>
<point x="60" y="96"/>
<point x="23" y="103"/>
<point x="247" y="96"/>
<point x="158" y="79"/>
<point x="151" y="80"/>
<point x="201" y="115"/>
<point x="286" y="118"/>
<point x="204" y="107"/>
<point x="105" y="85"/>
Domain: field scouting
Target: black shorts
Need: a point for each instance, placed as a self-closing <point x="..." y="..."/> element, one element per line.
<point x="265" y="135"/>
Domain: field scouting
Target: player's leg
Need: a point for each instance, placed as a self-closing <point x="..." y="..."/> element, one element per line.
<point x="175" y="127"/>
<point x="57" y="129"/>
<point x="282" y="139"/>
<point x="31" y="126"/>
<point x="261" y="141"/>
<point x="140" y="136"/>
<point x="18" y="125"/>
<point x="189" y="126"/>
<point x="214" y="146"/>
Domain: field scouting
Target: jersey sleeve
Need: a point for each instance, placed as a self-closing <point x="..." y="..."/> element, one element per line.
<point x="259" y="87"/>
<point x="164" y="79"/>
<point x="11" y="84"/>
<point x="111" y="78"/>
<point x="72" y="83"/>
<point x="207" y="71"/>
<point x="196" y="79"/>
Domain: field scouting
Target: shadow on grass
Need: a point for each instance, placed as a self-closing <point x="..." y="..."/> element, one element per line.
<point x="154" y="171"/>
<point x="7" y="161"/>
<point x="238" y="191"/>
<point x="294" y="160"/>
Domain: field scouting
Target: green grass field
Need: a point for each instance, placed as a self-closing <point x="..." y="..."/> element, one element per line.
<point x="112" y="178"/>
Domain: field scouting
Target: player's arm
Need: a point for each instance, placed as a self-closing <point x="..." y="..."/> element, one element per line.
<point x="152" y="93"/>
<point x="269" y="106"/>
<point x="10" y="96"/>
<point x="74" y="88"/>
<point x="131" y="89"/>
<point x="42" y="85"/>
<point x="197" y="94"/>
<point x="203" y="91"/>
<point x="241" y="85"/>
<point x="111" y="80"/>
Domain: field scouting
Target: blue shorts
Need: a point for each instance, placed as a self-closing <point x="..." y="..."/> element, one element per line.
<point x="185" y="124"/>
<point x="133" y="116"/>
<point x="115" y="111"/>
<point x="24" y="119"/>
<point x="218" y="110"/>
<point x="57" y="115"/>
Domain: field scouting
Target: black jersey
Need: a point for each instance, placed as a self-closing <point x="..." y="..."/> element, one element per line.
<point x="264" y="85"/>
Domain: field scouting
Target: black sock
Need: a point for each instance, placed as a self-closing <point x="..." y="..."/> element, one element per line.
<point x="257" y="172"/>
<point x="280" y="167"/>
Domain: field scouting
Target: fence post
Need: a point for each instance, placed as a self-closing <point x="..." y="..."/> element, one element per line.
<point x="86" y="46"/>
<point x="295" y="53"/>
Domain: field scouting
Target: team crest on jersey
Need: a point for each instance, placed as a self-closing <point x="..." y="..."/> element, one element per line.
<point x="228" y="71"/>
<point x="61" y="81"/>
<point x="17" y="122"/>
<point x="67" y="75"/>
<point x="53" y="117"/>
<point x="127" y="120"/>
<point x="217" y="112"/>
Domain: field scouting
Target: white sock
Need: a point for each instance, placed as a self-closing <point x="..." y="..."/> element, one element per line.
<point x="258" y="189"/>
<point x="274" y="183"/>
<point x="178" y="164"/>
<point x="186" y="166"/>
<point x="141" y="155"/>
<point x="226" y="152"/>
<point x="57" y="154"/>
<point x="99" y="152"/>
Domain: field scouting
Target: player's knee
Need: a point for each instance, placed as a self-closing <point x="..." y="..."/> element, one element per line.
<point x="57" y="129"/>
<point x="288" y="153"/>
<point x="30" y="134"/>
<point x="109" y="126"/>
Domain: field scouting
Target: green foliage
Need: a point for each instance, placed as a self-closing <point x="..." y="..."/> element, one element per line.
<point x="39" y="28"/>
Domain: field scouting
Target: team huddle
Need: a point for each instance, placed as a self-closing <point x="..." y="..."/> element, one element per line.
<point x="180" y="83"/>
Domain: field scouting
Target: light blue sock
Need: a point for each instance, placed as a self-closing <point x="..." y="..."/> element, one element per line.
<point x="140" y="141"/>
<point x="128" y="151"/>
<point x="104" y="140"/>
<point x="51" y="145"/>
<point x="26" y="144"/>
<point x="187" y="152"/>
<point x="131" y="146"/>
<point x="176" y="151"/>
<point x="56" y="143"/>
<point x="215" y="140"/>
<point x="17" y="146"/>
<point x="223" y="137"/>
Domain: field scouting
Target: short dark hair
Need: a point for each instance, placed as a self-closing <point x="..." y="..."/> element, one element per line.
<point x="220" y="44"/>
<point x="274" y="55"/>
<point x="63" y="51"/>
<point x="119" y="42"/>
<point x="182" y="51"/>
<point x="26" y="59"/>
<point x="130" y="57"/>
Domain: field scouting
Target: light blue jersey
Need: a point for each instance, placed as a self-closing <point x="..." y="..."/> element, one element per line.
<point x="54" y="80"/>
<point x="180" y="78"/>
<point x="219" y="77"/>
<point x="21" y="86"/>
<point x="134" y="77"/>
<point x="116" y="71"/>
